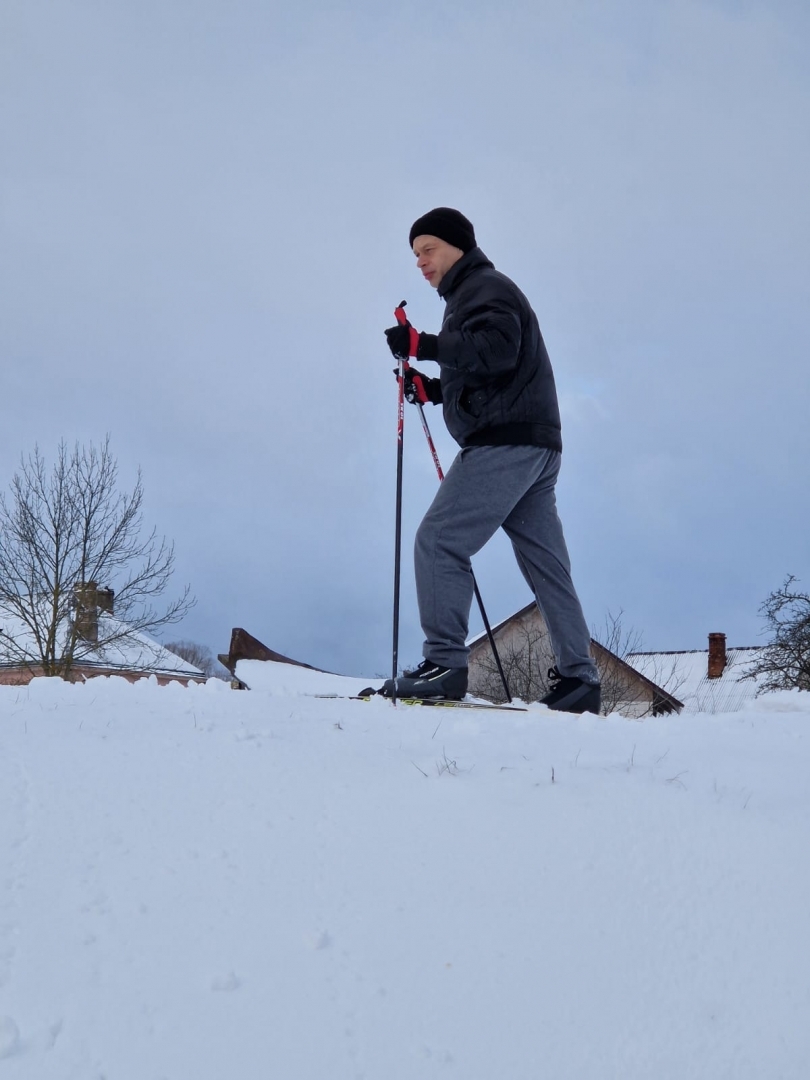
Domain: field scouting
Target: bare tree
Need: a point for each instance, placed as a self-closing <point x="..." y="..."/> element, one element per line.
<point x="785" y="661"/>
<point x="622" y="647"/>
<point x="617" y="644"/>
<point x="526" y="658"/>
<point x="63" y="533"/>
<point x="200" y="656"/>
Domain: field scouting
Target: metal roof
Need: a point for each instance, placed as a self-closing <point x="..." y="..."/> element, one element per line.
<point x="690" y="681"/>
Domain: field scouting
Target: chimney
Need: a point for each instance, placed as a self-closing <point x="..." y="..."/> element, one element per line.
<point x="106" y="600"/>
<point x="85" y="615"/>
<point x="717" y="655"/>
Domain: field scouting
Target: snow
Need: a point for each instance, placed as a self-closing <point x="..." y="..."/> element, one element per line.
<point x="286" y="679"/>
<point x="198" y="883"/>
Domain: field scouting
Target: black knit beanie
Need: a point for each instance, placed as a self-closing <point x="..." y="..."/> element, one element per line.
<point x="448" y="225"/>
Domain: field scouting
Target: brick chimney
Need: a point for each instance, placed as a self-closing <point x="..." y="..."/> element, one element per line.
<point x="85" y="612"/>
<point x="106" y="600"/>
<point x="717" y="655"/>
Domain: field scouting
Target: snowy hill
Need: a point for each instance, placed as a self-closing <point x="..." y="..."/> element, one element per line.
<point x="201" y="884"/>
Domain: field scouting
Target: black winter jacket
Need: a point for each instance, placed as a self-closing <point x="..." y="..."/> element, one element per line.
<point x="497" y="383"/>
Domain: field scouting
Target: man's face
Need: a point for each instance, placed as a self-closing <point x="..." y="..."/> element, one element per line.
<point x="434" y="257"/>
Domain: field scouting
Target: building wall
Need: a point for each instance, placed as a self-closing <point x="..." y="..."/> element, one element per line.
<point x="23" y="676"/>
<point x="519" y="634"/>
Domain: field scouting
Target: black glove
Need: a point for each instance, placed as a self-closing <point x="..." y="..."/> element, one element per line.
<point x="399" y="342"/>
<point x="419" y="388"/>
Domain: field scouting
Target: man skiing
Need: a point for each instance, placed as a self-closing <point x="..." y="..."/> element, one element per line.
<point x="500" y="404"/>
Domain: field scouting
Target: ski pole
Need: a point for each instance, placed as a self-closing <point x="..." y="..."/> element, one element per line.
<point x="398" y="525"/>
<point x="402" y="318"/>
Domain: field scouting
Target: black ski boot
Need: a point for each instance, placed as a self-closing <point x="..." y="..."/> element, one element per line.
<point x="569" y="694"/>
<point x="429" y="680"/>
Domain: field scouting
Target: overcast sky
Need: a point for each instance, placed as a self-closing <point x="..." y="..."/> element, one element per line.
<point x="205" y="209"/>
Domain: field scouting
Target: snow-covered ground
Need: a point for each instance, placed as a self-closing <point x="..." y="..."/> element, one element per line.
<point x="200" y="884"/>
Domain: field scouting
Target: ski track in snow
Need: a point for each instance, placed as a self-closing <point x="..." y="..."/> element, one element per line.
<point x="200" y="884"/>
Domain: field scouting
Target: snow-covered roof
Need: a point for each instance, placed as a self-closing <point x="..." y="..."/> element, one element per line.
<point x="686" y="676"/>
<point x="134" y="652"/>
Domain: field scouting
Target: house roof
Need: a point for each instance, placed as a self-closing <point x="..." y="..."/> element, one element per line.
<point x="688" y="675"/>
<point x="245" y="646"/>
<point x="685" y="673"/>
<point x="672" y="699"/>
<point x="660" y="696"/>
<point x="137" y="652"/>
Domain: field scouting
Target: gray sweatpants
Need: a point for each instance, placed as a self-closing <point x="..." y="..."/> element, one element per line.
<point x="488" y="487"/>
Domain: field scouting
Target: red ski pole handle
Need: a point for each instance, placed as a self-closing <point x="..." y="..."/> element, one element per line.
<point x="402" y="319"/>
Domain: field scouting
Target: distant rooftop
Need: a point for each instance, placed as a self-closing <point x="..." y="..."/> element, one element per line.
<point x="136" y="652"/>
<point x="686" y="675"/>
